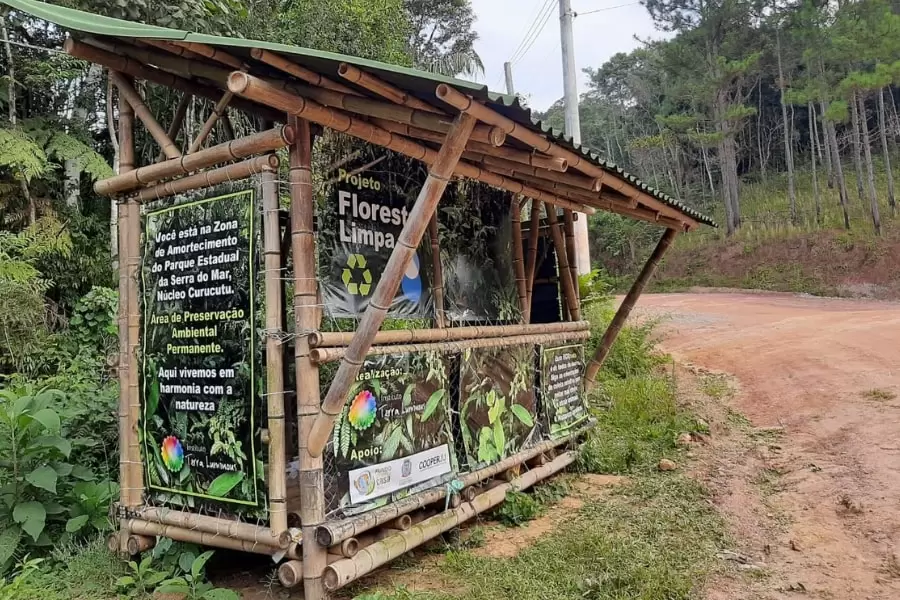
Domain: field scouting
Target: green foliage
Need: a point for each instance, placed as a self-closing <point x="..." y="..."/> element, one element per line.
<point x="518" y="509"/>
<point x="22" y="155"/>
<point x="192" y="585"/>
<point x="142" y="578"/>
<point x="632" y="355"/>
<point x="94" y="325"/>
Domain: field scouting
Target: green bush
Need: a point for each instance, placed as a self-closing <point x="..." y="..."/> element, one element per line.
<point x="634" y="352"/>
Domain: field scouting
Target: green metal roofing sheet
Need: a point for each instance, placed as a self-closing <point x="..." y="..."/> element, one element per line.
<point x="413" y="81"/>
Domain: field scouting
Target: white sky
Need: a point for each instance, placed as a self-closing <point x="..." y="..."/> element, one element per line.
<point x="502" y="25"/>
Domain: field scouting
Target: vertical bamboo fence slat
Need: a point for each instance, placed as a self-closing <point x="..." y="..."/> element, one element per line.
<point x="438" y="175"/>
<point x="126" y="163"/>
<point x="440" y="314"/>
<point x="277" y="473"/>
<point x="519" y="258"/>
<point x="530" y="268"/>
<point x="312" y="494"/>
<point x="571" y="254"/>
<point x="615" y="326"/>
<point x="565" y="274"/>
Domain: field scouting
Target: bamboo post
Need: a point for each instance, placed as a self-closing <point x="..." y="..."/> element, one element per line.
<point x="205" y="179"/>
<point x="126" y="163"/>
<point x="258" y="143"/>
<point x="277" y="473"/>
<point x="324" y="355"/>
<point x="530" y="268"/>
<point x="410" y="237"/>
<point x="440" y="314"/>
<point x="370" y="558"/>
<point x="143" y="113"/>
<point x="132" y="264"/>
<point x="312" y="492"/>
<point x="218" y="110"/>
<point x="571" y="256"/>
<point x="519" y="258"/>
<point x="565" y="273"/>
<point x="615" y="326"/>
<point x="177" y="121"/>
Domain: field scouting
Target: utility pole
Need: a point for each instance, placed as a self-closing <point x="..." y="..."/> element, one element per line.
<point x="573" y="123"/>
<point x="507" y="70"/>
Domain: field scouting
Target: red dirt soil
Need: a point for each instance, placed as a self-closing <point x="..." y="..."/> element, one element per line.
<point x="828" y="372"/>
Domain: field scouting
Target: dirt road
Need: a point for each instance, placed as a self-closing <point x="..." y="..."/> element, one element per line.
<point x="819" y="505"/>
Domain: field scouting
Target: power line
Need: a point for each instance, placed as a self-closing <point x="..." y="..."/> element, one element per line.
<point x="530" y="28"/>
<point x="590" y="12"/>
<point x="537" y="33"/>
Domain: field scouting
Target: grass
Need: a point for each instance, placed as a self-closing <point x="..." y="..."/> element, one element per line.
<point x="879" y="395"/>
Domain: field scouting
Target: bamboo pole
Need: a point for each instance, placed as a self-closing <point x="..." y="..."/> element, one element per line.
<point x="136" y="69"/>
<point x="126" y="163"/>
<point x="615" y="326"/>
<point x="274" y="355"/>
<point x="565" y="273"/>
<point x="325" y="355"/>
<point x="402" y="336"/>
<point x="143" y="113"/>
<point x="531" y="266"/>
<point x="256" y="89"/>
<point x="571" y="256"/>
<point x="222" y="527"/>
<point x="383" y="89"/>
<point x="205" y="179"/>
<point x="176" y="64"/>
<point x="511" y="154"/>
<point x="212" y="53"/>
<point x="529" y="161"/>
<point x="138" y="544"/>
<point x="291" y="68"/>
<point x="538" y="141"/>
<point x="258" y="143"/>
<point x="202" y="538"/>
<point x="567" y="183"/>
<point x="411" y="235"/>
<point x="519" y="259"/>
<point x="312" y="494"/>
<point x="336" y="532"/>
<point x="218" y="110"/>
<point x="348" y="570"/>
<point x="177" y="121"/>
<point x="171" y="48"/>
<point x="437" y="288"/>
<point x="132" y="264"/>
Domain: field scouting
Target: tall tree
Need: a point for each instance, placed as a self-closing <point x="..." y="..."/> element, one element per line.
<point x="442" y="37"/>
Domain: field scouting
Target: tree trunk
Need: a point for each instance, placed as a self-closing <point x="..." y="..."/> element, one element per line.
<point x="870" y="170"/>
<point x="829" y="168"/>
<point x="11" y="91"/>
<point x="831" y="136"/>
<point x="885" y="150"/>
<point x="113" y="202"/>
<point x="759" y="144"/>
<point x="857" y="146"/>
<point x="788" y="151"/>
<point x="812" y="156"/>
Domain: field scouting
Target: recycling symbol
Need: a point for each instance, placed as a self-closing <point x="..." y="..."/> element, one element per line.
<point x="353" y="272"/>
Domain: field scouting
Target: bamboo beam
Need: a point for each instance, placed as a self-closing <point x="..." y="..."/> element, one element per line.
<point x="254" y="88"/>
<point x="565" y="273"/>
<point x="312" y="494"/>
<point x="618" y="321"/>
<point x="530" y="268"/>
<point x="164" y="60"/>
<point x="336" y="532"/>
<point x="571" y="256"/>
<point x="218" y="110"/>
<point x="291" y="68"/>
<point x="220" y="56"/>
<point x="530" y="162"/>
<point x="258" y="143"/>
<point x="143" y="113"/>
<point x="326" y="355"/>
<point x="568" y="183"/>
<point x="171" y="48"/>
<point x="139" y="70"/>
<point x="438" y="176"/>
<point x="205" y="179"/>
<point x="237" y="530"/>
<point x="437" y="288"/>
<point x="177" y="121"/>
<point x="511" y="154"/>
<point x="486" y="115"/>
<point x="274" y="355"/>
<point x="383" y="89"/>
<point x="519" y="259"/>
<point x="322" y="339"/>
<point x="201" y="538"/>
<point x="345" y="571"/>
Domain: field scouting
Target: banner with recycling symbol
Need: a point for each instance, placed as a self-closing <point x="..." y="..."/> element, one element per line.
<point x="363" y="208"/>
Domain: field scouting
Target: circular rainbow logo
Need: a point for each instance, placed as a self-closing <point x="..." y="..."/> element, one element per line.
<point x="362" y="410"/>
<point x="172" y="454"/>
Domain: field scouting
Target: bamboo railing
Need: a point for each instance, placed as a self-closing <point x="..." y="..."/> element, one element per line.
<point x="205" y="179"/>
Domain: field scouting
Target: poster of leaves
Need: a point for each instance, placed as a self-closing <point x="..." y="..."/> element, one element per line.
<point x="201" y="376"/>
<point x="497" y="407"/>
<point x="394" y="435"/>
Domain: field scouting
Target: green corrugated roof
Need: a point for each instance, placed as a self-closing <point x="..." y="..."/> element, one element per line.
<point x="418" y="83"/>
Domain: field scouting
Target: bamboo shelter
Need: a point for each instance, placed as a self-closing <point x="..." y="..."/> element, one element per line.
<point x="349" y="312"/>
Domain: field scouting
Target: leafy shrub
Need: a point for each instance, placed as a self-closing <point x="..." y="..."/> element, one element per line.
<point x="93" y="326"/>
<point x="634" y="352"/>
<point x="518" y="508"/>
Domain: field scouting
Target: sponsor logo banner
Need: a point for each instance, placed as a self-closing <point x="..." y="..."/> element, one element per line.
<point x="386" y="478"/>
